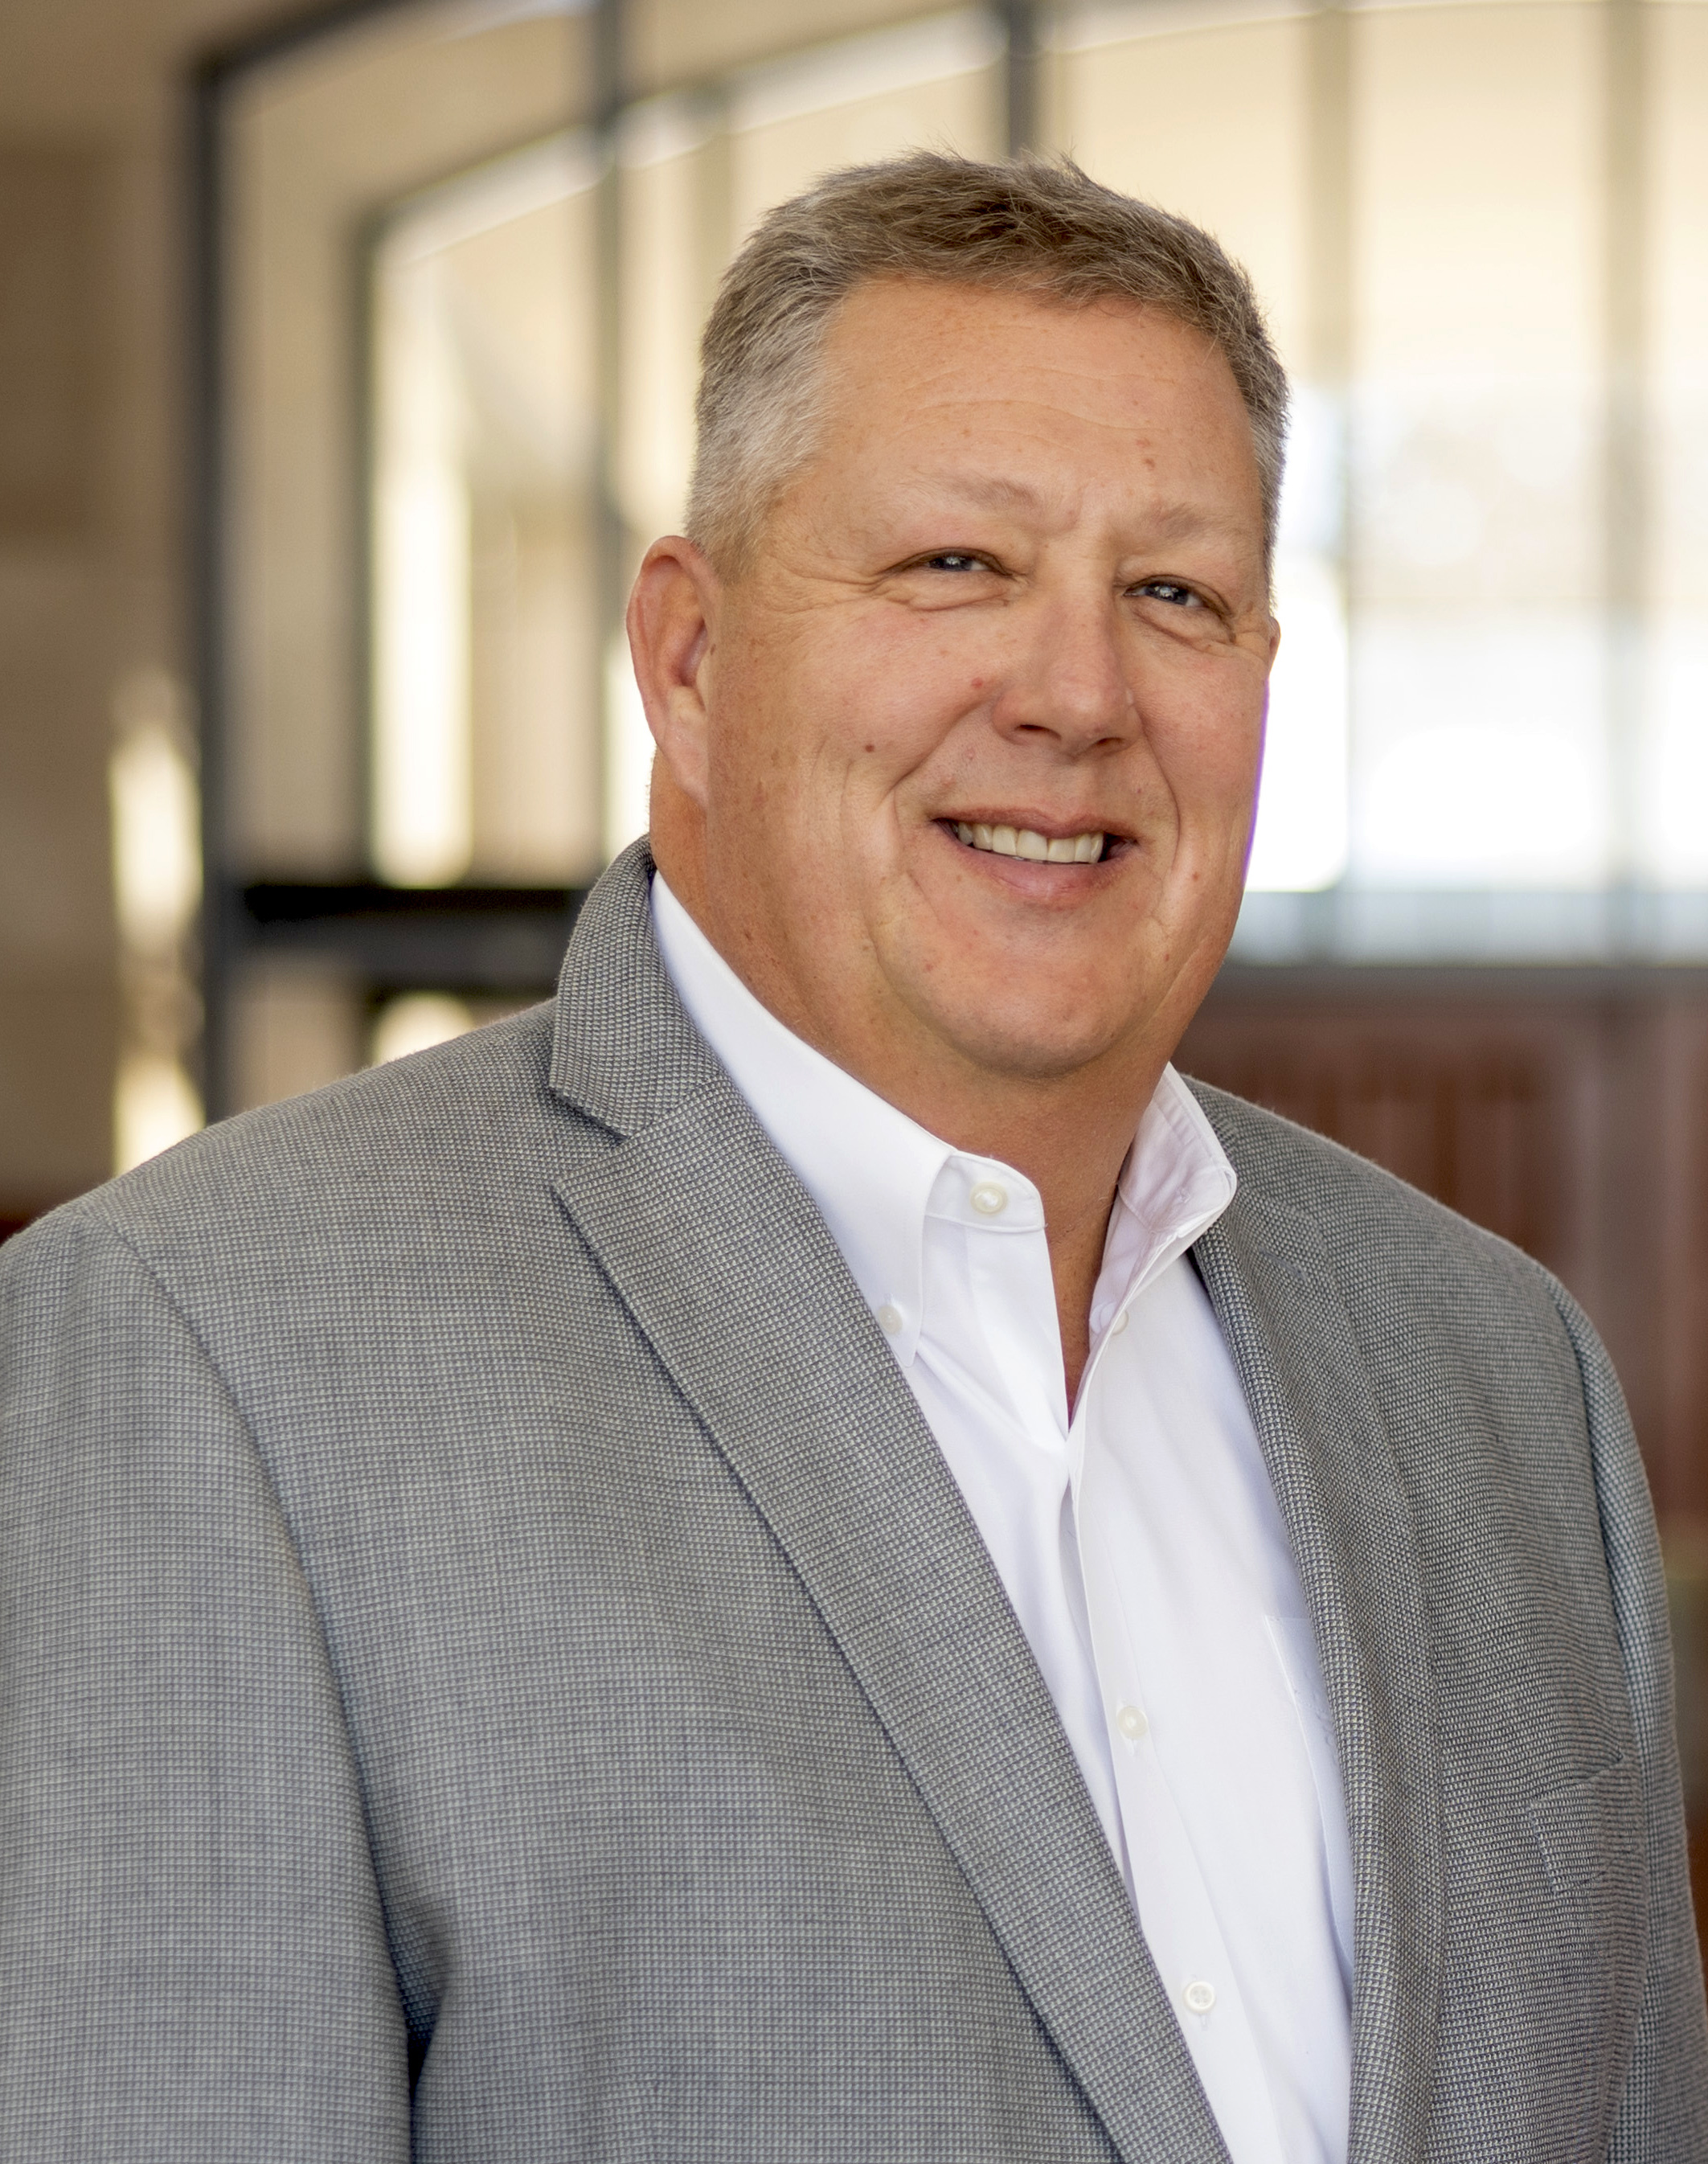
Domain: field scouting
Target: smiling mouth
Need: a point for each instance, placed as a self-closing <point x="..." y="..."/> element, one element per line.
<point x="1027" y="842"/>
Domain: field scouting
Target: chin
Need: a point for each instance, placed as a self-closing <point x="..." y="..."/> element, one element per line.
<point x="1038" y="1040"/>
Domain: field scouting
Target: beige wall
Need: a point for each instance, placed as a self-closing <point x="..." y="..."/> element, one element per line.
<point x="92" y="535"/>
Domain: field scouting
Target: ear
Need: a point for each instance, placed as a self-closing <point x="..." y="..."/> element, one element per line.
<point x="672" y="615"/>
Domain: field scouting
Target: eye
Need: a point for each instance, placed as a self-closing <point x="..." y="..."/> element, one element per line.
<point x="953" y="559"/>
<point x="1172" y="591"/>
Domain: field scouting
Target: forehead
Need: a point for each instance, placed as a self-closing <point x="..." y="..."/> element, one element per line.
<point x="918" y="372"/>
<point x="1108" y="353"/>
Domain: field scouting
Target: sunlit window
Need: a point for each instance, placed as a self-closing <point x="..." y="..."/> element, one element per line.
<point x="1482" y="717"/>
<point x="1671" y="789"/>
<point x="154" y="813"/>
<point x="484" y="735"/>
<point x="1479" y="231"/>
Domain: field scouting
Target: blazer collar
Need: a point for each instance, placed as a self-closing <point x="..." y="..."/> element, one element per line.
<point x="623" y="1051"/>
<point x="728" y="1268"/>
<point x="1266" y="1269"/>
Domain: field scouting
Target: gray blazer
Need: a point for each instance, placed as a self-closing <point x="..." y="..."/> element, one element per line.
<point x="493" y="1660"/>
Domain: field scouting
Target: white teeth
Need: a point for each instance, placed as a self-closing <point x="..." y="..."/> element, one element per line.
<point x="1025" y="842"/>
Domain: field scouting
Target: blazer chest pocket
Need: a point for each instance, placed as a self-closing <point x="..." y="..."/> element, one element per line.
<point x="1591" y="1837"/>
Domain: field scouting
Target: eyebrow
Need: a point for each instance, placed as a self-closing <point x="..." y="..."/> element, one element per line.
<point x="1173" y="522"/>
<point x="993" y="490"/>
<point x="1180" y="521"/>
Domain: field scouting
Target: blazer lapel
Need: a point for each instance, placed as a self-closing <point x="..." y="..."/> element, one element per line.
<point x="727" y="1267"/>
<point x="1267" y="1273"/>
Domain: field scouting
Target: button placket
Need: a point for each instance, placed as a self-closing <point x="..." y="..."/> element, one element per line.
<point x="1009" y="1272"/>
<point x="1169" y="1892"/>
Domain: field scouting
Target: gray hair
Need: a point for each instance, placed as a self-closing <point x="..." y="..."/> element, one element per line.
<point x="1034" y="225"/>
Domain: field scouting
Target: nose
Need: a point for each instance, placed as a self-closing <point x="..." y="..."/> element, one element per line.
<point x="1068" y="681"/>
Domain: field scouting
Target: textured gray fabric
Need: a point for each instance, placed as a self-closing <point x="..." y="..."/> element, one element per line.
<point x="479" y="1599"/>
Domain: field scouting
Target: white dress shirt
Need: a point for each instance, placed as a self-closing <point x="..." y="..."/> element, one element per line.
<point x="1139" y="1542"/>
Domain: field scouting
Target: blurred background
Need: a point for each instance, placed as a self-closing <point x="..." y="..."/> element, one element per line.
<point x="346" y="367"/>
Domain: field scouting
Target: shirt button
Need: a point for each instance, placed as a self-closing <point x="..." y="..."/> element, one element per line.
<point x="988" y="1198"/>
<point x="1119" y="1324"/>
<point x="889" y="1319"/>
<point x="1198" y="1995"/>
<point x="1131" y="1723"/>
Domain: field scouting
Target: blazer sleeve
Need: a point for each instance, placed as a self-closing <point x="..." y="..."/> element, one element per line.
<point x="1662" y="2114"/>
<point x="191" y="1933"/>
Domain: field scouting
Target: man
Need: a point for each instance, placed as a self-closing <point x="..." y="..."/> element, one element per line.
<point x="807" y="1555"/>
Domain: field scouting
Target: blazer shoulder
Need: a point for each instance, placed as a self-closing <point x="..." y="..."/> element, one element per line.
<point x="1376" y="1227"/>
<point x="427" y="1122"/>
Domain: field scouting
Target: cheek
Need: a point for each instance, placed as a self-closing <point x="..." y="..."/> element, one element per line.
<point x="881" y="705"/>
<point x="812" y="739"/>
<point x="1209" y="745"/>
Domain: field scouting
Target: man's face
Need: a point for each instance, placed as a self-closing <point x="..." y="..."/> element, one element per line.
<point x="1017" y="599"/>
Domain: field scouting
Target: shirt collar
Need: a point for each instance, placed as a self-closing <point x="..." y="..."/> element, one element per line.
<point x="1176" y="1182"/>
<point x="875" y="1175"/>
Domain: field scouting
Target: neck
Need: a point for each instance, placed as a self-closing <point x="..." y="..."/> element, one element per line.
<point x="1069" y="1136"/>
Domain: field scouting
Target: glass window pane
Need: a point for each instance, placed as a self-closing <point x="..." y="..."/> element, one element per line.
<point x="1675" y="780"/>
<point x="485" y="751"/>
<point x="933" y="85"/>
<point x="1480" y="753"/>
<point x="317" y="144"/>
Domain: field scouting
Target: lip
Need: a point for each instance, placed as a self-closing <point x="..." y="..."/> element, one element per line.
<point x="1054" y="829"/>
<point x="1051" y="885"/>
<point x="1027" y="872"/>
